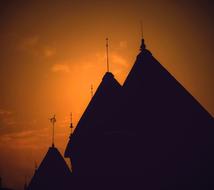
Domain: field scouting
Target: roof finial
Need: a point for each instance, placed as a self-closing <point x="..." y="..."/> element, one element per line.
<point x="71" y="125"/>
<point x="92" y="91"/>
<point x="143" y="46"/>
<point x="141" y="28"/>
<point x="107" y="58"/>
<point x="53" y="121"/>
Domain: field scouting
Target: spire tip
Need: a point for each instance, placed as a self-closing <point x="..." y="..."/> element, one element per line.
<point x="107" y="58"/>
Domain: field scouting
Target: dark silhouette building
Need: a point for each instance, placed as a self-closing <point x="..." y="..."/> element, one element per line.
<point x="100" y="109"/>
<point x="1" y="186"/>
<point x="150" y="133"/>
<point x="52" y="174"/>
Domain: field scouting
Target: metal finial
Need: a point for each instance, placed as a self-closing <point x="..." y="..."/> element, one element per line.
<point x="53" y="121"/>
<point x="92" y="91"/>
<point x="107" y="58"/>
<point x="71" y="125"/>
<point x="141" y="28"/>
<point x="143" y="46"/>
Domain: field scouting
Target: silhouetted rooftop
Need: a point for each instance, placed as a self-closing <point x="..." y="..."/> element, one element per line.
<point x="151" y="128"/>
<point x="101" y="105"/>
<point x="53" y="173"/>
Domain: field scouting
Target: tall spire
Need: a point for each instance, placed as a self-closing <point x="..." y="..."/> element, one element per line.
<point x="143" y="46"/>
<point x="107" y="58"/>
<point x="53" y="121"/>
<point x="141" y="28"/>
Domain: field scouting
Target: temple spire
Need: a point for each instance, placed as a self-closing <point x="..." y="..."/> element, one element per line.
<point x="107" y="58"/>
<point x="143" y="46"/>
<point x="53" y="121"/>
<point x="71" y="125"/>
<point x="92" y="91"/>
<point x="141" y="29"/>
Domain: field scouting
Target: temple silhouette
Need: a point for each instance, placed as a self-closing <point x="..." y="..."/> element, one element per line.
<point x="150" y="130"/>
<point x="53" y="173"/>
<point x="149" y="133"/>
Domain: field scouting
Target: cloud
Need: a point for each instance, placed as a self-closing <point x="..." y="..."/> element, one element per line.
<point x="123" y="44"/>
<point x="100" y="56"/>
<point x="28" y="43"/>
<point x="60" y="67"/>
<point x="5" y="112"/>
<point x="6" y="118"/>
<point x="30" y="138"/>
<point x="35" y="46"/>
<point x="114" y="58"/>
<point x="49" y="52"/>
<point x="118" y="59"/>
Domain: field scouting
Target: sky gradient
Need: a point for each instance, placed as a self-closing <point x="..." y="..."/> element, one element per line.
<point x="52" y="51"/>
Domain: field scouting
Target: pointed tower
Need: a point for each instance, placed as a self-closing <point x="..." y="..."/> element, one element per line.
<point x="92" y="124"/>
<point x="174" y="131"/>
<point x="53" y="173"/>
<point x="151" y="131"/>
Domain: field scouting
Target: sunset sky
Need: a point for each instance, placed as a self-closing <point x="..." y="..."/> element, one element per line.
<point x="52" y="51"/>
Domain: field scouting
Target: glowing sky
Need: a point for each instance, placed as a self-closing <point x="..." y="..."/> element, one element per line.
<point x="52" y="51"/>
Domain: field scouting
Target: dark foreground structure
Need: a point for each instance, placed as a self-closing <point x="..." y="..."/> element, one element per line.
<point x="150" y="133"/>
<point x="52" y="174"/>
<point x="1" y="186"/>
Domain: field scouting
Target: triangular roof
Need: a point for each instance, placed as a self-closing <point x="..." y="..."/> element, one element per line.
<point x="174" y="131"/>
<point x="152" y="89"/>
<point x="169" y="134"/>
<point x="98" y="111"/>
<point x="53" y="173"/>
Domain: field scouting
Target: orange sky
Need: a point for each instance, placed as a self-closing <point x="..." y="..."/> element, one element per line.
<point x="52" y="51"/>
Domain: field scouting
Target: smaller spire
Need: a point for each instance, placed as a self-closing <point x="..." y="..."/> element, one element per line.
<point x="141" y="28"/>
<point x="143" y="46"/>
<point x="92" y="91"/>
<point x="71" y="125"/>
<point x="107" y="58"/>
<point x="53" y="121"/>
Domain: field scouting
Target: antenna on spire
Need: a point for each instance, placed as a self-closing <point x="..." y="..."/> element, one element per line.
<point x="107" y="58"/>
<point x="71" y="125"/>
<point x="92" y="91"/>
<point x="53" y="121"/>
<point x="141" y="29"/>
<point x="143" y="46"/>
